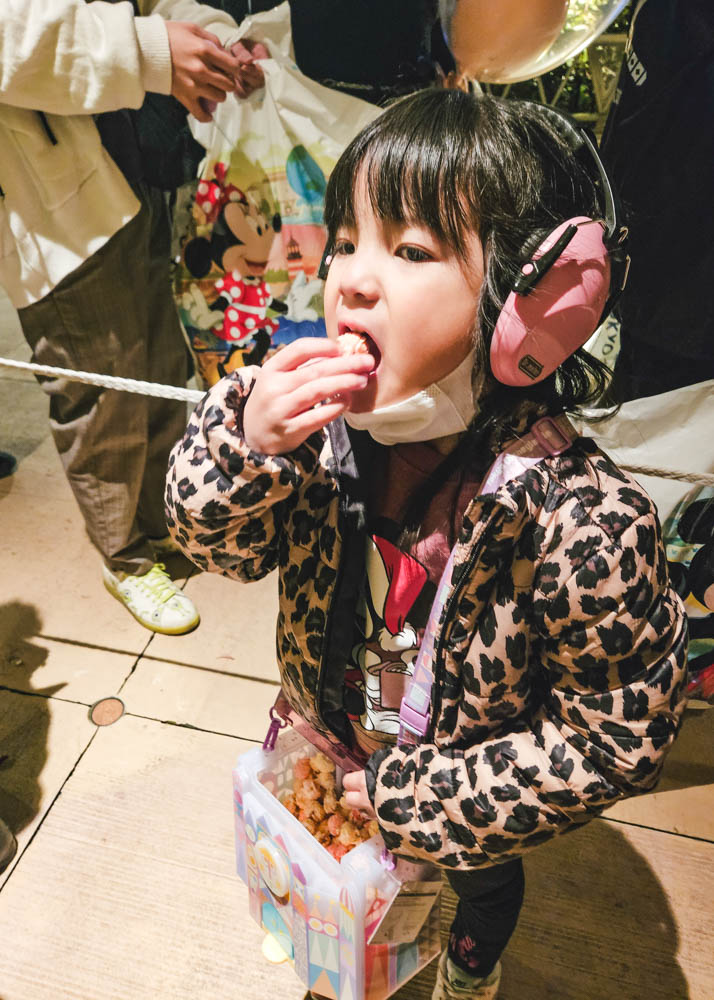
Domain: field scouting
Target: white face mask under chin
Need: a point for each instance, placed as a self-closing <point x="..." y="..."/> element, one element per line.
<point x="445" y="407"/>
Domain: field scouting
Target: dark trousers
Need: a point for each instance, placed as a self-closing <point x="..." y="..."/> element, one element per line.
<point x="490" y="901"/>
<point x="115" y="315"/>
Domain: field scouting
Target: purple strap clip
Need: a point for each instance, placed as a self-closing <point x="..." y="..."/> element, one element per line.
<point x="276" y="724"/>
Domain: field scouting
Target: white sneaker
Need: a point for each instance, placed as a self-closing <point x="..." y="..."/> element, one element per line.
<point x="154" y="600"/>
<point x="453" y="984"/>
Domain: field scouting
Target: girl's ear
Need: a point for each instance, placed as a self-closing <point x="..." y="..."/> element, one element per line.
<point x="197" y="256"/>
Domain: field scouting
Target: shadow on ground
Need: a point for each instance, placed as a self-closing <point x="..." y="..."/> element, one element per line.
<point x="596" y="925"/>
<point x="24" y="717"/>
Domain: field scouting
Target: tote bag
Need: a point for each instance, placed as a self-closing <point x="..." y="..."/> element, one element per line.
<point x="246" y="278"/>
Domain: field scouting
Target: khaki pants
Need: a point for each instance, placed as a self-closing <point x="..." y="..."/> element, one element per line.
<point x="115" y="315"/>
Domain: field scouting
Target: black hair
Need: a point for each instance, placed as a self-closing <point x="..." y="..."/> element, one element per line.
<point x="506" y="170"/>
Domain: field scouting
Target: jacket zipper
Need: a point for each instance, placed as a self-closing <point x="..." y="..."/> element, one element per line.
<point x="328" y="631"/>
<point x="329" y="621"/>
<point x="448" y="610"/>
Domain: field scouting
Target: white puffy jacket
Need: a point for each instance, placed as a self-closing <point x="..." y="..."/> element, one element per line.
<point x="61" y="201"/>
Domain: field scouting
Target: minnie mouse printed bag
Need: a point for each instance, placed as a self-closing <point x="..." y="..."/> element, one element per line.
<point x="246" y="277"/>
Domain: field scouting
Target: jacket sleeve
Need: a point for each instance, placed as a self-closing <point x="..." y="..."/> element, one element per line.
<point x="70" y="57"/>
<point x="611" y="669"/>
<point x="226" y="504"/>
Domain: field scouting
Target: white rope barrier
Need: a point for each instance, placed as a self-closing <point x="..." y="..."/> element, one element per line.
<point x="194" y="395"/>
<point x="697" y="478"/>
<point x="109" y="381"/>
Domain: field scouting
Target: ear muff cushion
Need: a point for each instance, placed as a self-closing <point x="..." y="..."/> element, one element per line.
<point x="535" y="333"/>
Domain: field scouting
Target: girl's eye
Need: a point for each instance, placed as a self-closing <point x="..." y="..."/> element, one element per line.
<point x="344" y="247"/>
<point x="414" y="254"/>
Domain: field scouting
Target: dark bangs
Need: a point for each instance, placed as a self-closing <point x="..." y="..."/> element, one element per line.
<point x="418" y="162"/>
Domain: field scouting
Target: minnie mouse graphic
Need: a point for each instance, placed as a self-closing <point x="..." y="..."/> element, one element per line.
<point x="239" y="244"/>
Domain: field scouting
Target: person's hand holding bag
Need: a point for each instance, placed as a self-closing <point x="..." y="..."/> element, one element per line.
<point x="202" y="71"/>
<point x="250" y="75"/>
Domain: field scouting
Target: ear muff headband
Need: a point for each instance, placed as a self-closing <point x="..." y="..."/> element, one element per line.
<point x="568" y="286"/>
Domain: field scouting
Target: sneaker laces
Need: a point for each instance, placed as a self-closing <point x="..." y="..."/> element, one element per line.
<point x="158" y="584"/>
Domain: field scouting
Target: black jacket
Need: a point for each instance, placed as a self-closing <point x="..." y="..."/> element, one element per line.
<point x="659" y="148"/>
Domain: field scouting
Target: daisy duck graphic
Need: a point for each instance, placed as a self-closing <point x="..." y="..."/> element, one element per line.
<point x="383" y="660"/>
<point x="240" y="242"/>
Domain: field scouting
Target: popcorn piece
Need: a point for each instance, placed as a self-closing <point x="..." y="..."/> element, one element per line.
<point x="307" y="789"/>
<point x="338" y="851"/>
<point x="309" y="824"/>
<point x="336" y="825"/>
<point x="302" y="768"/>
<point x="320" y="762"/>
<point x="290" y="803"/>
<point x="325" y="780"/>
<point x="352" y="343"/>
<point x="323" y="835"/>
<point x="315" y="811"/>
<point x="348" y="835"/>
<point x="323" y="770"/>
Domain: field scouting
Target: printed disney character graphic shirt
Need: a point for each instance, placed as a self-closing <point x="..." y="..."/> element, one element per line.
<point x="399" y="587"/>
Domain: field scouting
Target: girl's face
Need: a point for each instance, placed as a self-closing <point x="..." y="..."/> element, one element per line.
<point x="411" y="296"/>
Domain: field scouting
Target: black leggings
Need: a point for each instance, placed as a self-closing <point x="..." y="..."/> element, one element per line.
<point x="490" y="900"/>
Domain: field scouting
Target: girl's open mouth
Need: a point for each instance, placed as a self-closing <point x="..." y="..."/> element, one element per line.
<point x="360" y="342"/>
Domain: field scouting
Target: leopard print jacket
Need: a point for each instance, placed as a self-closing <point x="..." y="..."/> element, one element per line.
<point x="560" y="661"/>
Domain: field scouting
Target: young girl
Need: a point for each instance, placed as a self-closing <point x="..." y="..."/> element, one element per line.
<point x="558" y="656"/>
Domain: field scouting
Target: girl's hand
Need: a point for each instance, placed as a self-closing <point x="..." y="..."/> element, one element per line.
<point x="300" y="390"/>
<point x="356" y="795"/>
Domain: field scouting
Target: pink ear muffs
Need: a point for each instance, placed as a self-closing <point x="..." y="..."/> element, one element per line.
<point x="542" y="326"/>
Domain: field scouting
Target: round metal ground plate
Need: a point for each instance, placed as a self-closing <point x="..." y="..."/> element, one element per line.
<point x="106" y="711"/>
